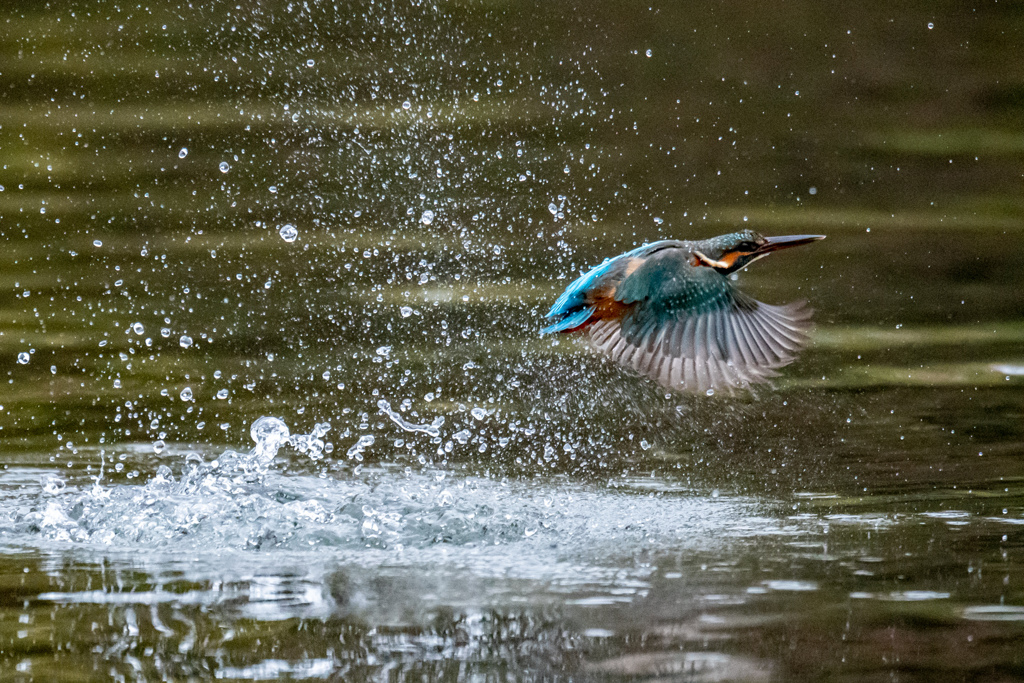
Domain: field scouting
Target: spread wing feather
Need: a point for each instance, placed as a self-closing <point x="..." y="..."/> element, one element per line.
<point x="711" y="350"/>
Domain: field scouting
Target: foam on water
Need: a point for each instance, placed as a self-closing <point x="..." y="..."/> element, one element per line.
<point x="245" y="506"/>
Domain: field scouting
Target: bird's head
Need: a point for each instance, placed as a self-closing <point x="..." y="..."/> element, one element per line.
<point x="730" y="253"/>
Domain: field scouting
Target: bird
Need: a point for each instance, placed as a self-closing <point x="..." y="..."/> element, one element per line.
<point x="670" y="311"/>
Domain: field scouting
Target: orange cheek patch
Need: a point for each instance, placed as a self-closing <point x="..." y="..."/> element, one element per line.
<point x="727" y="260"/>
<point x="699" y="259"/>
<point x="730" y="258"/>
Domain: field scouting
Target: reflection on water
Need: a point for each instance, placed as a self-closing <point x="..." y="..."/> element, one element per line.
<point x="334" y="228"/>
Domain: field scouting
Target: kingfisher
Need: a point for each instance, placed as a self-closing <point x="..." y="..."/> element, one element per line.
<point x="670" y="311"/>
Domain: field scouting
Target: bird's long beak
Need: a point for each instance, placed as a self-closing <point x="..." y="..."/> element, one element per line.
<point x="776" y="243"/>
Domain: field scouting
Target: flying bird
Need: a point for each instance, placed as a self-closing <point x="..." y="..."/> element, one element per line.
<point x="670" y="311"/>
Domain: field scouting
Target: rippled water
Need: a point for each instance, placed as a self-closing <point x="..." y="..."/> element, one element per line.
<point x="276" y="405"/>
<point x="386" y="567"/>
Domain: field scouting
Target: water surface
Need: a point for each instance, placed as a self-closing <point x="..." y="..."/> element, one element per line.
<point x="224" y="227"/>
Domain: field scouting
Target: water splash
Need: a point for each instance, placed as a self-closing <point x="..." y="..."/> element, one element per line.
<point x="217" y="505"/>
<point x="52" y="484"/>
<point x="356" y="451"/>
<point x="269" y="433"/>
<point x="311" y="444"/>
<point x="433" y="429"/>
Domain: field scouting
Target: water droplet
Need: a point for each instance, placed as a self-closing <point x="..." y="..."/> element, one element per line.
<point x="185" y="341"/>
<point x="310" y="62"/>
<point x="159" y="446"/>
<point x="273" y="189"/>
<point x="186" y="394"/>
<point x="407" y="105"/>
<point x="224" y="167"/>
<point x="427" y="218"/>
<point x="52" y="484"/>
<point x="288" y="232"/>
<point x="478" y="413"/>
<point x="222" y="394"/>
<point x="269" y="433"/>
<point x="710" y="392"/>
<point x="356" y="451"/>
<point x="97" y="243"/>
<point x="183" y="153"/>
<point x="23" y="358"/>
<point x="137" y="328"/>
<point x="649" y="53"/>
<point x="931" y="25"/>
<point x="405" y="311"/>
